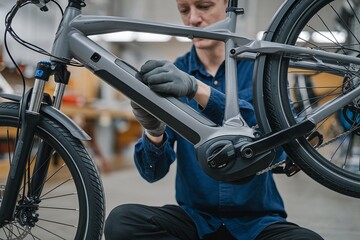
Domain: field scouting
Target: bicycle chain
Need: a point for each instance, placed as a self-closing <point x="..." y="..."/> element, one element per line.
<point x="271" y="167"/>
<point x="334" y="139"/>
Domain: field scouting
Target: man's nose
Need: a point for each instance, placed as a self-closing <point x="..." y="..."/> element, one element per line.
<point x="195" y="18"/>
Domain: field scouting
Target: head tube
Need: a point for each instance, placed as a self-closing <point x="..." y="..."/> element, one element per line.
<point x="233" y="3"/>
<point x="77" y="3"/>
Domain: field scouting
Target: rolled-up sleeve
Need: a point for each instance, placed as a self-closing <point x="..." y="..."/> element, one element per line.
<point x="215" y="108"/>
<point x="153" y="162"/>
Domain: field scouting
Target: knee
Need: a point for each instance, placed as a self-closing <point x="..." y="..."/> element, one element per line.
<point x="309" y="234"/>
<point x="117" y="225"/>
<point x="301" y="233"/>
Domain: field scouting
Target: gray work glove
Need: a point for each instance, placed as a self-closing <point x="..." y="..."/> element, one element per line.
<point x="152" y="125"/>
<point x="164" y="77"/>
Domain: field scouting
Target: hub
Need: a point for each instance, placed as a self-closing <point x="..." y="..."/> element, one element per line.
<point x="26" y="211"/>
<point x="349" y="115"/>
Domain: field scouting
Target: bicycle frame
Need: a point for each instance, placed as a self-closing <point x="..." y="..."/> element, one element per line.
<point x="234" y="137"/>
<point x="73" y="41"/>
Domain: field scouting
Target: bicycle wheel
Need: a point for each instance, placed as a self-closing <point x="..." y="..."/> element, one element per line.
<point x="71" y="202"/>
<point x="331" y="153"/>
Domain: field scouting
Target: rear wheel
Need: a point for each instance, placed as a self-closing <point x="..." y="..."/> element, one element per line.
<point x="71" y="202"/>
<point x="331" y="153"/>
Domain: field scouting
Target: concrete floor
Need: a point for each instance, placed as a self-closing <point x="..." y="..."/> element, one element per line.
<point x="333" y="216"/>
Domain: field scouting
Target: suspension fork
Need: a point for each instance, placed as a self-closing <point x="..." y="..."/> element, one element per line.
<point x="45" y="151"/>
<point x="29" y="119"/>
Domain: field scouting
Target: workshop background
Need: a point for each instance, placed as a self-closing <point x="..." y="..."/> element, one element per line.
<point x="106" y="115"/>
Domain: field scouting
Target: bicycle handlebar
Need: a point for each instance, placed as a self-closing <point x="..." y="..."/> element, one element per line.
<point x="42" y="4"/>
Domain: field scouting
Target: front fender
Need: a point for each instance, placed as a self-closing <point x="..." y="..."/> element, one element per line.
<point x="258" y="85"/>
<point x="54" y="113"/>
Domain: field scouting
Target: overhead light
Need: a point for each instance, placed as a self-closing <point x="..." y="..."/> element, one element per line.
<point x="139" y="37"/>
<point x="128" y="36"/>
<point x="329" y="37"/>
<point x="319" y="37"/>
<point x="151" y="37"/>
<point x="183" y="39"/>
<point x="125" y="36"/>
<point x="304" y="36"/>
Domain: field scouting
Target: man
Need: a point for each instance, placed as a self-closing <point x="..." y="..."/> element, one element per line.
<point x="208" y="209"/>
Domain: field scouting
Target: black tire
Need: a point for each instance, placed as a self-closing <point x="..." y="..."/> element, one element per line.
<point x="72" y="200"/>
<point x="333" y="162"/>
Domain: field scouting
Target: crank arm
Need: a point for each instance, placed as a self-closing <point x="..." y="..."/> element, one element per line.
<point x="275" y="140"/>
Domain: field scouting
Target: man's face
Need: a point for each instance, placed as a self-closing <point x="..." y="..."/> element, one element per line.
<point x="201" y="13"/>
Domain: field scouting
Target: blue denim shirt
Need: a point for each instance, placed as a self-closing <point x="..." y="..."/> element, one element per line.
<point x="244" y="209"/>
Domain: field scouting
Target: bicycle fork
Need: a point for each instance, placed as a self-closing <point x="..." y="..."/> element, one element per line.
<point x="29" y="119"/>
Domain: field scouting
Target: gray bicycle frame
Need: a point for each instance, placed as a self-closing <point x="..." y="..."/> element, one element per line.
<point x="72" y="41"/>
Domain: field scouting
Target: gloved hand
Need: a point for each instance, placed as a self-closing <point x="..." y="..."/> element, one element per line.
<point x="152" y="125"/>
<point x="164" y="77"/>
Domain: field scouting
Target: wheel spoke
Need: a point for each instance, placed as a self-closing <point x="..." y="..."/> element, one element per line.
<point x="59" y="196"/>
<point x="52" y="233"/>
<point x="54" y="188"/>
<point x="59" y="208"/>
<point x="59" y="223"/>
<point x="295" y="87"/>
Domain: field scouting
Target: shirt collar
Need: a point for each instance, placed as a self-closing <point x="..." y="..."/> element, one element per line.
<point x="195" y="63"/>
<point x="197" y="66"/>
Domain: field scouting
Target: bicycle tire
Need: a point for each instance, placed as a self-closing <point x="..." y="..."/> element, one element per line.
<point x="72" y="200"/>
<point x="321" y="154"/>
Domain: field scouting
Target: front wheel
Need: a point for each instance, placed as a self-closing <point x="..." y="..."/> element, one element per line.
<point x="330" y="154"/>
<point x="70" y="202"/>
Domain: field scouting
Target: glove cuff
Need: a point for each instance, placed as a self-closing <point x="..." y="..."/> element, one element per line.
<point x="193" y="88"/>
<point x="158" y="131"/>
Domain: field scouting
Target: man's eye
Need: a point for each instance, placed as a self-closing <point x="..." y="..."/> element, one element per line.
<point x="204" y="7"/>
<point x="183" y="11"/>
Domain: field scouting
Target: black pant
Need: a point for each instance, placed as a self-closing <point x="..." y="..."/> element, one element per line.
<point x="170" y="222"/>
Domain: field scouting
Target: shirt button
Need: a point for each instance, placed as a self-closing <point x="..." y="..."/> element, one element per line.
<point x="216" y="82"/>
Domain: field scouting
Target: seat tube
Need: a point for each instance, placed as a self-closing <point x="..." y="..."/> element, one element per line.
<point x="232" y="114"/>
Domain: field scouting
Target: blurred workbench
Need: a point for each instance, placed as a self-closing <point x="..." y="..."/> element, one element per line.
<point x="113" y="130"/>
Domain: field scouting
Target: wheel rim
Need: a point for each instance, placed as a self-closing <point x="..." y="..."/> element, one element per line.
<point x="334" y="142"/>
<point x="57" y="213"/>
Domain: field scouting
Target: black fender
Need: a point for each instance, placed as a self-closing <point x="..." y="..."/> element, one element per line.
<point x="258" y="85"/>
<point x="54" y="113"/>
